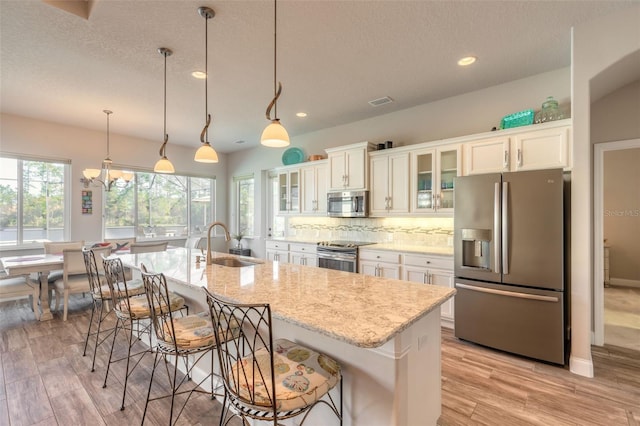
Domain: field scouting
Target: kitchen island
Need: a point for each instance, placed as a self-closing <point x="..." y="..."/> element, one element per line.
<point x="385" y="333"/>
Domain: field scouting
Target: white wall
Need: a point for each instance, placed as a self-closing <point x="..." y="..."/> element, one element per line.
<point x="87" y="148"/>
<point x="597" y="45"/>
<point x="474" y="112"/>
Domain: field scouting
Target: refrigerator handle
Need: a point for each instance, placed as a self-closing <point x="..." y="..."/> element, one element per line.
<point x="497" y="244"/>
<point x="505" y="227"/>
<point x="509" y="293"/>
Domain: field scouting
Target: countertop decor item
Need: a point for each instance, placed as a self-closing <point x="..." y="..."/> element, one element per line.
<point x="315" y="157"/>
<point x="550" y="111"/>
<point x="292" y="156"/>
<point x="517" y="119"/>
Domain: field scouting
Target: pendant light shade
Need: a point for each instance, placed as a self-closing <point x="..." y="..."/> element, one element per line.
<point x="275" y="135"/>
<point x="164" y="165"/>
<point x="206" y="153"/>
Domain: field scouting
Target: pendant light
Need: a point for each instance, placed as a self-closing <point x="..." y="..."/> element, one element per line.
<point x="206" y="153"/>
<point x="164" y="165"/>
<point x="275" y="135"/>
<point x="106" y="175"/>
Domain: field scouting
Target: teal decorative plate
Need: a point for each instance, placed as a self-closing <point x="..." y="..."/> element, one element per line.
<point x="292" y="156"/>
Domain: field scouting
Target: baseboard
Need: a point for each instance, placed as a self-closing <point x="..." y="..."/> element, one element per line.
<point x="621" y="282"/>
<point x="581" y="366"/>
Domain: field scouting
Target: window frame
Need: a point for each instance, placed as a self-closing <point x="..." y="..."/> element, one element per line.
<point x="237" y="182"/>
<point x="66" y="202"/>
<point x="135" y="181"/>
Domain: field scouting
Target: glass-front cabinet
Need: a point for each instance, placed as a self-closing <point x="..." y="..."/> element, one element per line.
<point x="289" y="191"/>
<point x="433" y="170"/>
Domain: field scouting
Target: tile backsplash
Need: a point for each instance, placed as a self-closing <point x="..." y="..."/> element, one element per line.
<point x="411" y="231"/>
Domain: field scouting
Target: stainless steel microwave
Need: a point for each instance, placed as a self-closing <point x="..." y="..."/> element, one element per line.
<point x="348" y="204"/>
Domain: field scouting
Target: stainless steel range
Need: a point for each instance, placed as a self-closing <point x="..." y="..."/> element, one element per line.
<point x="339" y="255"/>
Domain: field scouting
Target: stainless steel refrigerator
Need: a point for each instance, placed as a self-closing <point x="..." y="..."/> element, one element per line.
<point x="509" y="257"/>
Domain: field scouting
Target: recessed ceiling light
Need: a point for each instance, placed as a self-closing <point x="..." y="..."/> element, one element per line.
<point x="240" y="142"/>
<point x="199" y="74"/>
<point x="301" y="114"/>
<point x="467" y="60"/>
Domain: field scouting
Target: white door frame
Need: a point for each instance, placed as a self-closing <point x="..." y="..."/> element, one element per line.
<point x="598" y="231"/>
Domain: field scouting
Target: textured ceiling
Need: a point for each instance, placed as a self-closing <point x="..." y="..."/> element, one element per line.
<point x="333" y="57"/>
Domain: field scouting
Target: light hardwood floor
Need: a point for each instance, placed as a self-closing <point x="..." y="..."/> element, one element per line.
<point x="45" y="380"/>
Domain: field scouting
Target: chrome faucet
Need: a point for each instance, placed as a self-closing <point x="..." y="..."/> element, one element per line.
<point x="227" y="237"/>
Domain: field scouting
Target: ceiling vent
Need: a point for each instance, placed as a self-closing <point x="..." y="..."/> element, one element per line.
<point x="380" y="101"/>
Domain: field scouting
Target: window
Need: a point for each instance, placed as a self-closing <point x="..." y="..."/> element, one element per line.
<point x="33" y="201"/>
<point x="245" y="205"/>
<point x="157" y="206"/>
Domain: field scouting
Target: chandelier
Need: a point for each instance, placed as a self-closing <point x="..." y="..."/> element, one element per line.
<point x="106" y="175"/>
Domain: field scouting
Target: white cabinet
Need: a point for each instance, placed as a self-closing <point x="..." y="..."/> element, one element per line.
<point x="431" y="270"/>
<point x="303" y="254"/>
<point x="543" y="146"/>
<point x="348" y="167"/>
<point x="378" y="263"/>
<point x="289" y="191"/>
<point x="432" y="173"/>
<point x="314" y="187"/>
<point x="542" y="149"/>
<point x="277" y="251"/>
<point x="389" y="183"/>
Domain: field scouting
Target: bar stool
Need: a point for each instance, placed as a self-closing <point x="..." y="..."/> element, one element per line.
<point x="99" y="295"/>
<point x="131" y="308"/>
<point x="180" y="338"/>
<point x="266" y="379"/>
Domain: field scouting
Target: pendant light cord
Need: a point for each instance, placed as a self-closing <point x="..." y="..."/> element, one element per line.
<point x="165" y="99"/>
<point x="275" y="55"/>
<point x="108" y="155"/>
<point x="206" y="75"/>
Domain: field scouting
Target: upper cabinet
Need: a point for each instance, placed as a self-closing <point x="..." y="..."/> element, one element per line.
<point x="315" y="181"/>
<point x="389" y="183"/>
<point x="348" y="167"/>
<point x="289" y="191"/>
<point x="432" y="174"/>
<point x="547" y="146"/>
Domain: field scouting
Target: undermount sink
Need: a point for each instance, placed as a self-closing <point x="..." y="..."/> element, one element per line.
<point x="234" y="262"/>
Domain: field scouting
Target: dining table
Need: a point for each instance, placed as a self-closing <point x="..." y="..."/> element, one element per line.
<point x="41" y="264"/>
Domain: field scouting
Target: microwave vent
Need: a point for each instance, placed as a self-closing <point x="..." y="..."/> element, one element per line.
<point x="381" y="101"/>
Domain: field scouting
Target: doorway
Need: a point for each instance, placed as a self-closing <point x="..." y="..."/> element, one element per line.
<point x="616" y="313"/>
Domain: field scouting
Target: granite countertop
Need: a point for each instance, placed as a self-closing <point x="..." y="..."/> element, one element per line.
<point x="358" y="309"/>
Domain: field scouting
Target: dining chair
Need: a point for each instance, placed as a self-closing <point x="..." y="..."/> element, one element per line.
<point x="57" y="248"/>
<point x="148" y="247"/>
<point x="74" y="278"/>
<point x="12" y="287"/>
<point x="100" y="296"/>
<point x="185" y="338"/>
<point x="267" y="379"/>
<point x="133" y="312"/>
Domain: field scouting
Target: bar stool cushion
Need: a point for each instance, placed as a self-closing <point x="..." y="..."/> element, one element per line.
<point x="140" y="305"/>
<point x="302" y="376"/>
<point x="192" y="331"/>
<point x="135" y="287"/>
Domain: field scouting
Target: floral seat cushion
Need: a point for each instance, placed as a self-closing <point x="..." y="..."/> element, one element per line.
<point x="302" y="376"/>
<point x="140" y="305"/>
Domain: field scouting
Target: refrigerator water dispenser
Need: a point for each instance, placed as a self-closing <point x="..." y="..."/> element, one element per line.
<point x="476" y="248"/>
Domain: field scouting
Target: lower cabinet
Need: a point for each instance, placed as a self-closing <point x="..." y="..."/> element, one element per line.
<point x="303" y="254"/>
<point x="431" y="270"/>
<point x="376" y="263"/>
<point x="277" y="251"/>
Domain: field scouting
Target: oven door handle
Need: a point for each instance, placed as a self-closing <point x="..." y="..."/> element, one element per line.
<point x="336" y="257"/>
